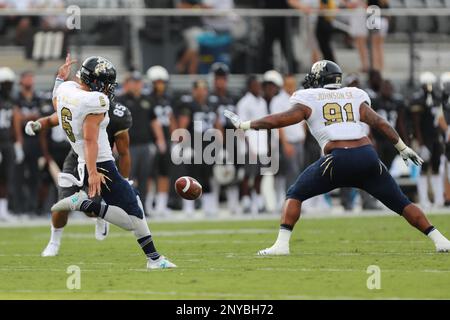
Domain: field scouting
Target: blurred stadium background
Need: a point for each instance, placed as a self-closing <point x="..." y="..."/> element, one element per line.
<point x="187" y="37"/>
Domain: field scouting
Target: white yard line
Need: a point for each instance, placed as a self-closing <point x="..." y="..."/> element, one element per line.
<point x="178" y="217"/>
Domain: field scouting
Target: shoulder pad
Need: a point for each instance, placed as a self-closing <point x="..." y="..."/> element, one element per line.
<point x="96" y="102"/>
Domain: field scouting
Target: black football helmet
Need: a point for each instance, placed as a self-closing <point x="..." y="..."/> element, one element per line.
<point x="219" y="69"/>
<point x="324" y="74"/>
<point x="99" y="74"/>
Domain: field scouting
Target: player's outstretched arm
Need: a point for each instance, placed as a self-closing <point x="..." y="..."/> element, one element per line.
<point x="32" y="127"/>
<point x="375" y="121"/>
<point x="292" y="116"/>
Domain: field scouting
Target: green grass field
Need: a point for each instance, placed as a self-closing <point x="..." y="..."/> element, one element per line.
<point x="329" y="258"/>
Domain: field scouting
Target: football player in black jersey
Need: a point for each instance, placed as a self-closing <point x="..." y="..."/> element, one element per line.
<point x="10" y="131"/>
<point x="26" y="175"/>
<point x="120" y="122"/>
<point x="195" y="114"/>
<point x="161" y="105"/>
<point x="426" y="108"/>
<point x="221" y="99"/>
<point x="390" y="106"/>
<point x="445" y="83"/>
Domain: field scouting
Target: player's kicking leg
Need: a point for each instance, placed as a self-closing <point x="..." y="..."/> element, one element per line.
<point x="131" y="217"/>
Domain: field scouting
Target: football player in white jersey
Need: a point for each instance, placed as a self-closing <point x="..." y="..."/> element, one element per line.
<point x="82" y="111"/>
<point x="334" y="116"/>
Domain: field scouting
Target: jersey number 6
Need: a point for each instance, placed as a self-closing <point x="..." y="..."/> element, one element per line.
<point x="332" y="113"/>
<point x="66" y="116"/>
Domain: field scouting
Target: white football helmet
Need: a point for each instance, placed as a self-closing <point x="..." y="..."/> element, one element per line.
<point x="445" y="80"/>
<point x="274" y="77"/>
<point x="7" y="75"/>
<point x="427" y="78"/>
<point x="157" y="73"/>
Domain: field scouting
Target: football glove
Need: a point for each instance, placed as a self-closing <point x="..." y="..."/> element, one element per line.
<point x="408" y="153"/>
<point x="236" y="120"/>
<point x="32" y="127"/>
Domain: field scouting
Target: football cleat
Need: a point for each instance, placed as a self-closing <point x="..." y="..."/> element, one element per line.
<point x="72" y="203"/>
<point x="101" y="229"/>
<point x="443" y="246"/>
<point x="274" y="251"/>
<point x="51" y="250"/>
<point x="160" y="263"/>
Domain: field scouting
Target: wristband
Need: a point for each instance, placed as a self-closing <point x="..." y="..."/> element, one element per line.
<point x="245" y="125"/>
<point x="400" y="145"/>
<point x="58" y="82"/>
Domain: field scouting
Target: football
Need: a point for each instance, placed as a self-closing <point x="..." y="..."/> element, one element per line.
<point x="188" y="188"/>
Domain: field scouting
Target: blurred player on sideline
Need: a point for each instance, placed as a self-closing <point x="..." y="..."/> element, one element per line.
<point x="82" y="112"/>
<point x="221" y="100"/>
<point x="334" y="115"/>
<point x="161" y="105"/>
<point x="426" y="108"/>
<point x="197" y="115"/>
<point x="10" y="138"/>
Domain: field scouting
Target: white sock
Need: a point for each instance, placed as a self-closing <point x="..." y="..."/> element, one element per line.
<point x="118" y="217"/>
<point x="284" y="235"/>
<point x="437" y="237"/>
<point x="422" y="190"/>
<point x="4" y="207"/>
<point x="246" y="202"/>
<point x="437" y="182"/>
<point x="209" y="203"/>
<point x="161" y="202"/>
<point x="254" y="206"/>
<point x="232" y="198"/>
<point x="56" y="234"/>
<point x="188" y="206"/>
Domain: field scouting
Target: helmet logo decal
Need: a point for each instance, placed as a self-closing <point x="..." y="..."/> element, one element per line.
<point x="102" y="66"/>
<point x="318" y="67"/>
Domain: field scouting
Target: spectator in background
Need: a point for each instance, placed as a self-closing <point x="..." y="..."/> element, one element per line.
<point x="161" y="103"/>
<point x="27" y="177"/>
<point x="374" y="81"/>
<point x="324" y="30"/>
<point x="292" y="139"/>
<point x="377" y="36"/>
<point x="10" y="134"/>
<point x="253" y="106"/>
<point x="308" y="7"/>
<point x="193" y="28"/>
<point x="145" y="132"/>
<point x="276" y="28"/>
<point x="358" y="30"/>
